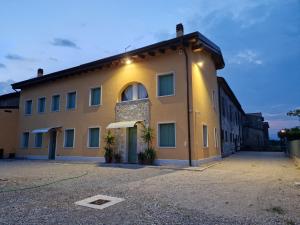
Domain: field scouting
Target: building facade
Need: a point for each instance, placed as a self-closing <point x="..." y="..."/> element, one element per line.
<point x="170" y="86"/>
<point x="231" y="117"/>
<point x="255" y="132"/>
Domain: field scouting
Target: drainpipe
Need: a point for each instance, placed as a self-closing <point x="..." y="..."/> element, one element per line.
<point x="220" y="119"/>
<point x="188" y="100"/>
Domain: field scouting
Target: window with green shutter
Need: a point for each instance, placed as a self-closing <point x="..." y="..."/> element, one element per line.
<point x="94" y="134"/>
<point x="69" y="138"/>
<point x="25" y="140"/>
<point x="71" y="100"/>
<point x="167" y="135"/>
<point x="95" y="96"/>
<point x="28" y="107"/>
<point x="205" y="136"/>
<point x="55" y="103"/>
<point x="166" y="85"/>
<point x="41" y="105"/>
<point x="38" y="141"/>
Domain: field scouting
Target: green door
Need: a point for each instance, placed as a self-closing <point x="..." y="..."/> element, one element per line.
<point x="132" y="144"/>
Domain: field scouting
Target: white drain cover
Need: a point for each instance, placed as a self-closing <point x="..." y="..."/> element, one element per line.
<point x="99" y="201"/>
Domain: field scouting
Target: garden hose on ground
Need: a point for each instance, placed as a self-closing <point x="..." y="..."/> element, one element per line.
<point x="43" y="185"/>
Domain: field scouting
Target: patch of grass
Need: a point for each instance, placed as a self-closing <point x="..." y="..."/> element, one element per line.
<point x="276" y="209"/>
<point x="290" y="222"/>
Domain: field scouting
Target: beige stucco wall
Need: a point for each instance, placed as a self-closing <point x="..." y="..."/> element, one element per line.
<point x="204" y="111"/>
<point x="113" y="81"/>
<point x="8" y="130"/>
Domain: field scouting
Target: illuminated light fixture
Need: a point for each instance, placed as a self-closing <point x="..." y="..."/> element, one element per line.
<point x="283" y="131"/>
<point x="128" y="61"/>
<point x="200" y="64"/>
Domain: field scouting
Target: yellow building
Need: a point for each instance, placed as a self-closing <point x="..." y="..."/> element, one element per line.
<point x="170" y="86"/>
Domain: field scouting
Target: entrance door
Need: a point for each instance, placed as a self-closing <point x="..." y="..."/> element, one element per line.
<point x="132" y="144"/>
<point x="52" y="144"/>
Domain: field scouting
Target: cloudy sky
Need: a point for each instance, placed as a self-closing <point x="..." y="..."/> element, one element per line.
<point x="260" y="41"/>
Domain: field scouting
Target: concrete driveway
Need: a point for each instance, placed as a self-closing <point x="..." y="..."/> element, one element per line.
<point x="246" y="188"/>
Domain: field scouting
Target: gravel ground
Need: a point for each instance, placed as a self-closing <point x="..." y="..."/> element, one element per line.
<point x="246" y="188"/>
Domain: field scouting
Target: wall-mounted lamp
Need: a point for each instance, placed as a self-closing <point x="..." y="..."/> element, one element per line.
<point x="128" y="61"/>
<point x="200" y="64"/>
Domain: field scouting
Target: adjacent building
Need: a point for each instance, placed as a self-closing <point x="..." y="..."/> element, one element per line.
<point x="171" y="86"/>
<point x="256" y="132"/>
<point x="231" y="117"/>
<point x="9" y="117"/>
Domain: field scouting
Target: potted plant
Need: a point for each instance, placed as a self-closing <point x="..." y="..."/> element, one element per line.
<point x="149" y="155"/>
<point x="109" y="142"/>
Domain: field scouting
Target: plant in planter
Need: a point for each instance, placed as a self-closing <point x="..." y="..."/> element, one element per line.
<point x="109" y="142"/>
<point x="149" y="155"/>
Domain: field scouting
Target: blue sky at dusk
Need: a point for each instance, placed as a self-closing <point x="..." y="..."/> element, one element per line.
<point x="260" y="41"/>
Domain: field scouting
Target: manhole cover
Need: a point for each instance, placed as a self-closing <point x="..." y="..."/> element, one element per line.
<point x="99" y="201"/>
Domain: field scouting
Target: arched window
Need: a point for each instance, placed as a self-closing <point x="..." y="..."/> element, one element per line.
<point x="134" y="92"/>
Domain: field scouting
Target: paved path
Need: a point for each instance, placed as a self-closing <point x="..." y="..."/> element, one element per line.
<point x="246" y="188"/>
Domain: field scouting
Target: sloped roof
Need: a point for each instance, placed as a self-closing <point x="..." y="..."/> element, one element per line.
<point x="196" y="40"/>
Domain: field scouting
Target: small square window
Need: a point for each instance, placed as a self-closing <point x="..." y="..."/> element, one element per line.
<point x="69" y="138"/>
<point x="38" y="140"/>
<point x="94" y="137"/>
<point x="28" y="107"/>
<point x="41" y="105"/>
<point x="165" y="85"/>
<point x="71" y="100"/>
<point x="95" y="96"/>
<point x="167" y="135"/>
<point x="55" y="103"/>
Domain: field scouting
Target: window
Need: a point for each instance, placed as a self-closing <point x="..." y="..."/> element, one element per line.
<point x="38" y="140"/>
<point x="205" y="136"/>
<point x="28" y="107"/>
<point x="25" y="140"/>
<point x="41" y="105"/>
<point x="94" y="137"/>
<point x="69" y="138"/>
<point x="165" y="85"/>
<point x="134" y="92"/>
<point x="95" y="96"/>
<point x="71" y="100"/>
<point x="226" y="136"/>
<point x="216" y="137"/>
<point x="222" y="135"/>
<point x="167" y="135"/>
<point x="55" y="103"/>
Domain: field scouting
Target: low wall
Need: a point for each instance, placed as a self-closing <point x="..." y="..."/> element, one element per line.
<point x="294" y="150"/>
<point x="8" y="131"/>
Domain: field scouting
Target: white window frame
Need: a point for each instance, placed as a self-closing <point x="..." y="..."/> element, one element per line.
<point x="34" y="144"/>
<point x="207" y="138"/>
<point x="67" y="99"/>
<point x="135" y="92"/>
<point x="73" y="146"/>
<point x="158" y="134"/>
<point x="25" y="103"/>
<point x="37" y="105"/>
<point x="52" y="103"/>
<point x="157" y="82"/>
<point x="90" y="96"/>
<point x="22" y="139"/>
<point x="88" y="137"/>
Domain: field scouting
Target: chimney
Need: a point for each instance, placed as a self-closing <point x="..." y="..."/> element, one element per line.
<point x="179" y="30"/>
<point x="40" y="72"/>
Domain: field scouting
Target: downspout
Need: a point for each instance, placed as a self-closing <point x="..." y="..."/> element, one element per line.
<point x="220" y="119"/>
<point x="188" y="101"/>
